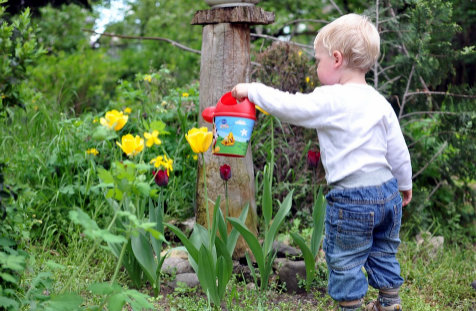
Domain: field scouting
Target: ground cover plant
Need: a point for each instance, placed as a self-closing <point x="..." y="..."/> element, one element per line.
<point x="96" y="165"/>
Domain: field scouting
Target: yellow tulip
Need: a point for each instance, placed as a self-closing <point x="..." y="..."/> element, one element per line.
<point x="199" y="139"/>
<point x="131" y="145"/>
<point x="114" y="120"/>
<point x="127" y="110"/>
<point x="152" y="138"/>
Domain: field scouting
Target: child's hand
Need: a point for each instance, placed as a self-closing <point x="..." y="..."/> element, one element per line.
<point x="406" y="197"/>
<point x="240" y="91"/>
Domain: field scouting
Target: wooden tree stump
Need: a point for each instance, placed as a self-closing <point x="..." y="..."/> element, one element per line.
<point x="225" y="61"/>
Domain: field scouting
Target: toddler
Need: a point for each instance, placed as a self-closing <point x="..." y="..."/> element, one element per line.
<point x="365" y="157"/>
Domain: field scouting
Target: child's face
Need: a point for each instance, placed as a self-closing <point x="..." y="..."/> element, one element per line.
<point x="326" y="69"/>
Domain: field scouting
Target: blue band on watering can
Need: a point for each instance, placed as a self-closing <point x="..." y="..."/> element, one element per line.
<point x="231" y="135"/>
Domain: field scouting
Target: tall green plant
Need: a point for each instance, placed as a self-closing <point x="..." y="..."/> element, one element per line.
<point x="310" y="253"/>
<point x="210" y="254"/>
<point x="264" y="253"/>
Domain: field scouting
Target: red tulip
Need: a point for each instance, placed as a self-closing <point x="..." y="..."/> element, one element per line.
<point x="225" y="172"/>
<point x="313" y="158"/>
<point x="161" y="178"/>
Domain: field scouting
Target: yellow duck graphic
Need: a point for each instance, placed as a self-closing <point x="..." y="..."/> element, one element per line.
<point x="229" y="140"/>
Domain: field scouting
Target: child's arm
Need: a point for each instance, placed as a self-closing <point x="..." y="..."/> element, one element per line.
<point x="398" y="157"/>
<point x="407" y="197"/>
<point x="305" y="110"/>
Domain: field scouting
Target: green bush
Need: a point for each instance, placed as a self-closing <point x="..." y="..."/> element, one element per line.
<point x="18" y="49"/>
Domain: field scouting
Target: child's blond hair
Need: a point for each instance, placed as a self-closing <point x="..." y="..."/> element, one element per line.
<point x="355" y="37"/>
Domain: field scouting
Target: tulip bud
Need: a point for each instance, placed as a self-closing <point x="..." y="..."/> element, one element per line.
<point x="225" y="172"/>
<point x="161" y="178"/>
<point x="313" y="158"/>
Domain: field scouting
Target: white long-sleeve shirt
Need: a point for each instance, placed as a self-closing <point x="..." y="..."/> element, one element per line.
<point x="357" y="128"/>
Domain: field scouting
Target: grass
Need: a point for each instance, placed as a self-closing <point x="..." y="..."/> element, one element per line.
<point x="433" y="281"/>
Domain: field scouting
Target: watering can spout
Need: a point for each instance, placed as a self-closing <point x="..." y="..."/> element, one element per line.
<point x="208" y="113"/>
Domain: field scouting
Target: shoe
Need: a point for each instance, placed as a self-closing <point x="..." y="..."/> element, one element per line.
<point x="376" y="306"/>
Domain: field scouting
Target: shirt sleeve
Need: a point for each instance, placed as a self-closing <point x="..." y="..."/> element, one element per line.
<point x="398" y="155"/>
<point x="299" y="109"/>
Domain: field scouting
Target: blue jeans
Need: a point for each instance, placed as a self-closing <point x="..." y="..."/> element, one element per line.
<point x="362" y="230"/>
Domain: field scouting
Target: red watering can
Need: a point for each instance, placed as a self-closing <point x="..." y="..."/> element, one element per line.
<point x="233" y="123"/>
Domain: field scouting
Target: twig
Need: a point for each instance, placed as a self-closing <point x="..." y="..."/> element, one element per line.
<point x="376" y="63"/>
<point x="336" y="7"/>
<point x="440" y="93"/>
<point x="434" y="190"/>
<point x="306" y="20"/>
<point x="404" y="98"/>
<point x="307" y="46"/>
<point x="174" y="43"/>
<point x="442" y="148"/>
<point x="429" y="112"/>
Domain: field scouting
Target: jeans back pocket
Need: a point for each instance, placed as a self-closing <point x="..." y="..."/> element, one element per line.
<point x="354" y="229"/>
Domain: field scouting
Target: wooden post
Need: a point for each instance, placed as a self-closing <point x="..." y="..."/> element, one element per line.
<point x="225" y="61"/>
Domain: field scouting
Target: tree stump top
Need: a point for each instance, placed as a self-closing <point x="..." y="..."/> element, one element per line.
<point x="239" y="14"/>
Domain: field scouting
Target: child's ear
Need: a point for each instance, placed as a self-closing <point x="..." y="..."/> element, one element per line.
<point x="338" y="59"/>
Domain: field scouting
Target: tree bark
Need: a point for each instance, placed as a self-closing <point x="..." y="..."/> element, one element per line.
<point x="225" y="62"/>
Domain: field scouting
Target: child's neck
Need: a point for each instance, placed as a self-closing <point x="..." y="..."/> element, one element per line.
<point x="349" y="76"/>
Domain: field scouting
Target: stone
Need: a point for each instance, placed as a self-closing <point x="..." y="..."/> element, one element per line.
<point x="284" y="250"/>
<point x="290" y="272"/>
<point x="473" y="285"/>
<point x="188" y="279"/>
<point x="433" y="243"/>
<point x="176" y="265"/>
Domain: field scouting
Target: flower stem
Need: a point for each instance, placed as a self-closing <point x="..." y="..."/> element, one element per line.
<point x="206" y="194"/>
<point x="119" y="262"/>
<point x="226" y="202"/>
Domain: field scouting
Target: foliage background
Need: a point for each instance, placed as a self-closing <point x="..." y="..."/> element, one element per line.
<point x="55" y="82"/>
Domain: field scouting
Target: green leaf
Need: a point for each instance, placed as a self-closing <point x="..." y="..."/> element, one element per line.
<point x="116" y="302"/>
<point x="156" y="215"/>
<point x="9" y="303"/>
<point x="157" y="125"/>
<point x="138" y="301"/>
<point x="109" y="237"/>
<point x="105" y="176"/>
<point x="224" y="266"/>
<point x="318" y="217"/>
<point x="104" y="288"/>
<point x="234" y="234"/>
<point x="143" y="188"/>
<point x="207" y="274"/>
<point x="144" y="255"/>
<point x="309" y="258"/>
<point x="222" y="229"/>
<point x="8" y="278"/>
<point x="214" y="219"/>
<point x="64" y="302"/>
<point x="186" y="242"/>
<point x="250" y="239"/>
<point x="277" y="221"/>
